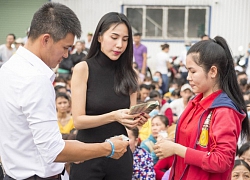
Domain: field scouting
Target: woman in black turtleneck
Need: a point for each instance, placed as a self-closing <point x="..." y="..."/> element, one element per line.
<point x="103" y="88"/>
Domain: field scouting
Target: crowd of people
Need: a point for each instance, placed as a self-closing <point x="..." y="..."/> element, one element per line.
<point x="66" y="105"/>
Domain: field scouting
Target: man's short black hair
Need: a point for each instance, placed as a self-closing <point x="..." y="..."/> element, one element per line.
<point x="137" y="34"/>
<point x="11" y="34"/>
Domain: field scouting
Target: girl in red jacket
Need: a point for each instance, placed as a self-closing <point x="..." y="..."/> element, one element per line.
<point x="208" y="129"/>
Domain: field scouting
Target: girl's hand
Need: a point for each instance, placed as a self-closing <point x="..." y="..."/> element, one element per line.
<point x="164" y="148"/>
<point x="125" y="119"/>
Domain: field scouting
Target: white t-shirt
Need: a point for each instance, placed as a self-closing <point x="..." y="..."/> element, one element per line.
<point x="177" y="106"/>
<point x="182" y="58"/>
<point x="5" y="53"/>
<point x="161" y="62"/>
<point x="30" y="139"/>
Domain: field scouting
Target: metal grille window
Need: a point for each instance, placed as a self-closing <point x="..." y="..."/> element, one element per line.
<point x="169" y="22"/>
<point x="196" y="22"/>
<point x="154" y="22"/>
<point x="136" y="23"/>
<point x="176" y="22"/>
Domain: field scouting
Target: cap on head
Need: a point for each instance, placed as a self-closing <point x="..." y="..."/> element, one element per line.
<point x="185" y="87"/>
<point x="19" y="41"/>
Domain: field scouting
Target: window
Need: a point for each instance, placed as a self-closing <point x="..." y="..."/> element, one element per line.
<point x="196" y="22"/>
<point x="169" y="22"/>
<point x="176" y="21"/>
<point x="136" y="23"/>
<point x="154" y="22"/>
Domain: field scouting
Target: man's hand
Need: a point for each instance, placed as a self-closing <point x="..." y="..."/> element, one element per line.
<point x="120" y="146"/>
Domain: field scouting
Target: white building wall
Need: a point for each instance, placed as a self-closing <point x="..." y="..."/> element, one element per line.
<point x="229" y="19"/>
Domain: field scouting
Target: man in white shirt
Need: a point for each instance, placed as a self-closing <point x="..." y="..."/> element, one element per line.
<point x="6" y="50"/>
<point x="30" y="141"/>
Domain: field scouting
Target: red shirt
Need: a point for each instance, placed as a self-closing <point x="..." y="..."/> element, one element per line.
<point x="187" y="125"/>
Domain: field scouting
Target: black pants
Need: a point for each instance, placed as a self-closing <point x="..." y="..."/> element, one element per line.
<point x="1" y="173"/>
<point x="8" y="178"/>
<point x="31" y="178"/>
<point x="104" y="168"/>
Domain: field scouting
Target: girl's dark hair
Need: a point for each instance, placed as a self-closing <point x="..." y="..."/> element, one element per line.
<point x="145" y="86"/>
<point x="58" y="87"/>
<point x="215" y="52"/>
<point x="241" y="162"/>
<point x="125" y="76"/>
<point x="176" y="92"/>
<point x="163" y="119"/>
<point x="135" y="132"/>
<point x="63" y="95"/>
<point x="245" y="147"/>
<point x="154" y="94"/>
<point x="158" y="73"/>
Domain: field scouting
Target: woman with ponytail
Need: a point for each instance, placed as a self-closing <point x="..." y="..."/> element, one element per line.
<point x="208" y="129"/>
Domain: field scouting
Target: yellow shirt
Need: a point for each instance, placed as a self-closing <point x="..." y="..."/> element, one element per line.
<point x="67" y="128"/>
<point x="145" y="130"/>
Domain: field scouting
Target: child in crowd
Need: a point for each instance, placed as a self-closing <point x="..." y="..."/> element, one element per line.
<point x="143" y="166"/>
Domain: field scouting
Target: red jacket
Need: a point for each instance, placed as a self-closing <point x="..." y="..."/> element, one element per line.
<point x="162" y="165"/>
<point x="215" y="160"/>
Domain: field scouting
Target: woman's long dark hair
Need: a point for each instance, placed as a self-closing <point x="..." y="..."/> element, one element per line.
<point x="125" y="77"/>
<point x="215" y="52"/>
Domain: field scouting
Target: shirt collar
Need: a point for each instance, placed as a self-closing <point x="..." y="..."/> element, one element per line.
<point x="206" y="103"/>
<point x="36" y="62"/>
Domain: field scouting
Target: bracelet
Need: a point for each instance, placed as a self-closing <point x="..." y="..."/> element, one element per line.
<point x="113" y="148"/>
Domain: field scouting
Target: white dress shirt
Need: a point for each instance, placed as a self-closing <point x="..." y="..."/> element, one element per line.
<point x="30" y="139"/>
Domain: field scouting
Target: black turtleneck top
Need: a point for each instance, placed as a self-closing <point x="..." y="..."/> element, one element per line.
<point x="101" y="98"/>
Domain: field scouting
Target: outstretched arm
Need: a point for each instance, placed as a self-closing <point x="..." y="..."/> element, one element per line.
<point x="77" y="151"/>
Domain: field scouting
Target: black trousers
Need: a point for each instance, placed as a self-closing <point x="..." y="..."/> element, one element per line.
<point x="33" y="178"/>
<point x="104" y="168"/>
<point x="1" y="173"/>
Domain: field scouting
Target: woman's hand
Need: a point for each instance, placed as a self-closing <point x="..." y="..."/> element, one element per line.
<point x="143" y="118"/>
<point x="125" y="119"/>
<point x="164" y="148"/>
